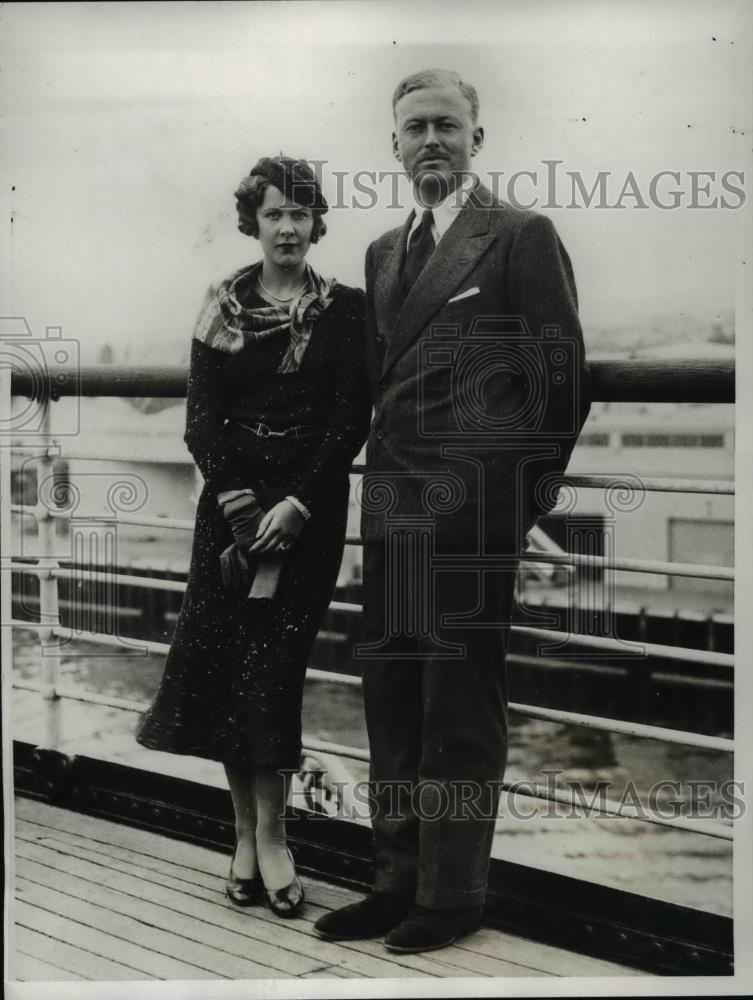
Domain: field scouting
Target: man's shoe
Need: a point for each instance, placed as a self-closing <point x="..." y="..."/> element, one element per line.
<point x="425" y="930"/>
<point x="371" y="917"/>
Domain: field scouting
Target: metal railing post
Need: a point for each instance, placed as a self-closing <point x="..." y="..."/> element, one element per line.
<point x="49" y="603"/>
<point x="588" y="637"/>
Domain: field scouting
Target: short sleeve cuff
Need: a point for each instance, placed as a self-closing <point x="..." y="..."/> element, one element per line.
<point x="300" y="507"/>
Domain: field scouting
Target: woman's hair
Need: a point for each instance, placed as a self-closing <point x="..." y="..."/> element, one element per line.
<point x="294" y="178"/>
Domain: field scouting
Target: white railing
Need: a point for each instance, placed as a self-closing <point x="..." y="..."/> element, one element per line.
<point x="52" y="633"/>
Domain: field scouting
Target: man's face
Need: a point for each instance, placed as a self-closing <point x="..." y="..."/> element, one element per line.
<point x="435" y="139"/>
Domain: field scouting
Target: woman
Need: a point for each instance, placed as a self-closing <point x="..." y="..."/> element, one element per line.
<point x="277" y="408"/>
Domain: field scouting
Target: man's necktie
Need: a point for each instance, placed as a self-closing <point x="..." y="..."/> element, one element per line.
<point x="420" y="248"/>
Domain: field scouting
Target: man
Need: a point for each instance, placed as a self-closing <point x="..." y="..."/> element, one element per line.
<point x="476" y="365"/>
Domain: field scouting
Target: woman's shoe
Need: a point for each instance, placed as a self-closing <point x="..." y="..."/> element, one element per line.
<point x="244" y="891"/>
<point x="286" y="902"/>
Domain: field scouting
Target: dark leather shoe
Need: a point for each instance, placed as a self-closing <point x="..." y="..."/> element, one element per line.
<point x="286" y="902"/>
<point x="244" y="891"/>
<point x="371" y="917"/>
<point x="425" y="930"/>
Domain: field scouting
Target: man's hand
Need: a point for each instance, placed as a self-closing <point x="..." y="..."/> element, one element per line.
<point x="279" y="528"/>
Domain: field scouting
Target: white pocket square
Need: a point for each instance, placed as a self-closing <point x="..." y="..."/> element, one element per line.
<point x="465" y="295"/>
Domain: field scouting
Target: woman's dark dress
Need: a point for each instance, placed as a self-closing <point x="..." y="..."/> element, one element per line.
<point x="232" y="686"/>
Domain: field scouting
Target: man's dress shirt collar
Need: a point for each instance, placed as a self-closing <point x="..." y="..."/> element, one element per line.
<point x="444" y="213"/>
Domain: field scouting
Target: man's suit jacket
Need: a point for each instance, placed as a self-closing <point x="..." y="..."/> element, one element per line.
<point x="478" y="377"/>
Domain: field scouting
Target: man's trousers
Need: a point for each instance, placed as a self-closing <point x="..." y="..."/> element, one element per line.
<point x="435" y="698"/>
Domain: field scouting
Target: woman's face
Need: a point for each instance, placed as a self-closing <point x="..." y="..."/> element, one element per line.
<point x="284" y="228"/>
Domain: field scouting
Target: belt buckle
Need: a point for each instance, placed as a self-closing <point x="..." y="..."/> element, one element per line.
<point x="263" y="431"/>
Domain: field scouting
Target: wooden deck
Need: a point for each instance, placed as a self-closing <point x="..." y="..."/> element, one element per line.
<point x="96" y="900"/>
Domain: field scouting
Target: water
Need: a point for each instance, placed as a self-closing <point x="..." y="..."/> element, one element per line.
<point x="677" y="866"/>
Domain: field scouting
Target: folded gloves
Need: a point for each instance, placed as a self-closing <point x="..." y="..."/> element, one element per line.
<point x="234" y="568"/>
<point x="243" y="514"/>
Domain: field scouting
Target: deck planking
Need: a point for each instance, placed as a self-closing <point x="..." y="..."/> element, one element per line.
<point x="102" y="901"/>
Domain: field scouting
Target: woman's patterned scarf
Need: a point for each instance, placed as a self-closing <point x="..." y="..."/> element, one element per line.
<point x="228" y="326"/>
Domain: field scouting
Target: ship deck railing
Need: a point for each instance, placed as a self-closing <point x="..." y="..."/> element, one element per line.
<point x="608" y="924"/>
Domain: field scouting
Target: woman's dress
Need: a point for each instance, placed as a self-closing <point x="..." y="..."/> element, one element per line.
<point x="233" y="681"/>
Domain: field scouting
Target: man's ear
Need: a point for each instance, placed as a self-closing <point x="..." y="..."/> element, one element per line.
<point x="395" y="148"/>
<point x="478" y="140"/>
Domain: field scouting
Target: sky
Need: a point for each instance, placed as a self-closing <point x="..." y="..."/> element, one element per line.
<point x="125" y="129"/>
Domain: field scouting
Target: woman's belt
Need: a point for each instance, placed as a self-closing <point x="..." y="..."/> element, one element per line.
<point x="264" y="431"/>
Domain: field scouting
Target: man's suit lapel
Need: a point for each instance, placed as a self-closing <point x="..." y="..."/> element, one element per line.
<point x="455" y="256"/>
<point x="388" y="293"/>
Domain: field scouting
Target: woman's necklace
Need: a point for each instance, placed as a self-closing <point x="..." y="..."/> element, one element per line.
<point x="277" y="298"/>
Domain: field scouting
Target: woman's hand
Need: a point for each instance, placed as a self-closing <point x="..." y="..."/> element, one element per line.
<point x="279" y="528"/>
